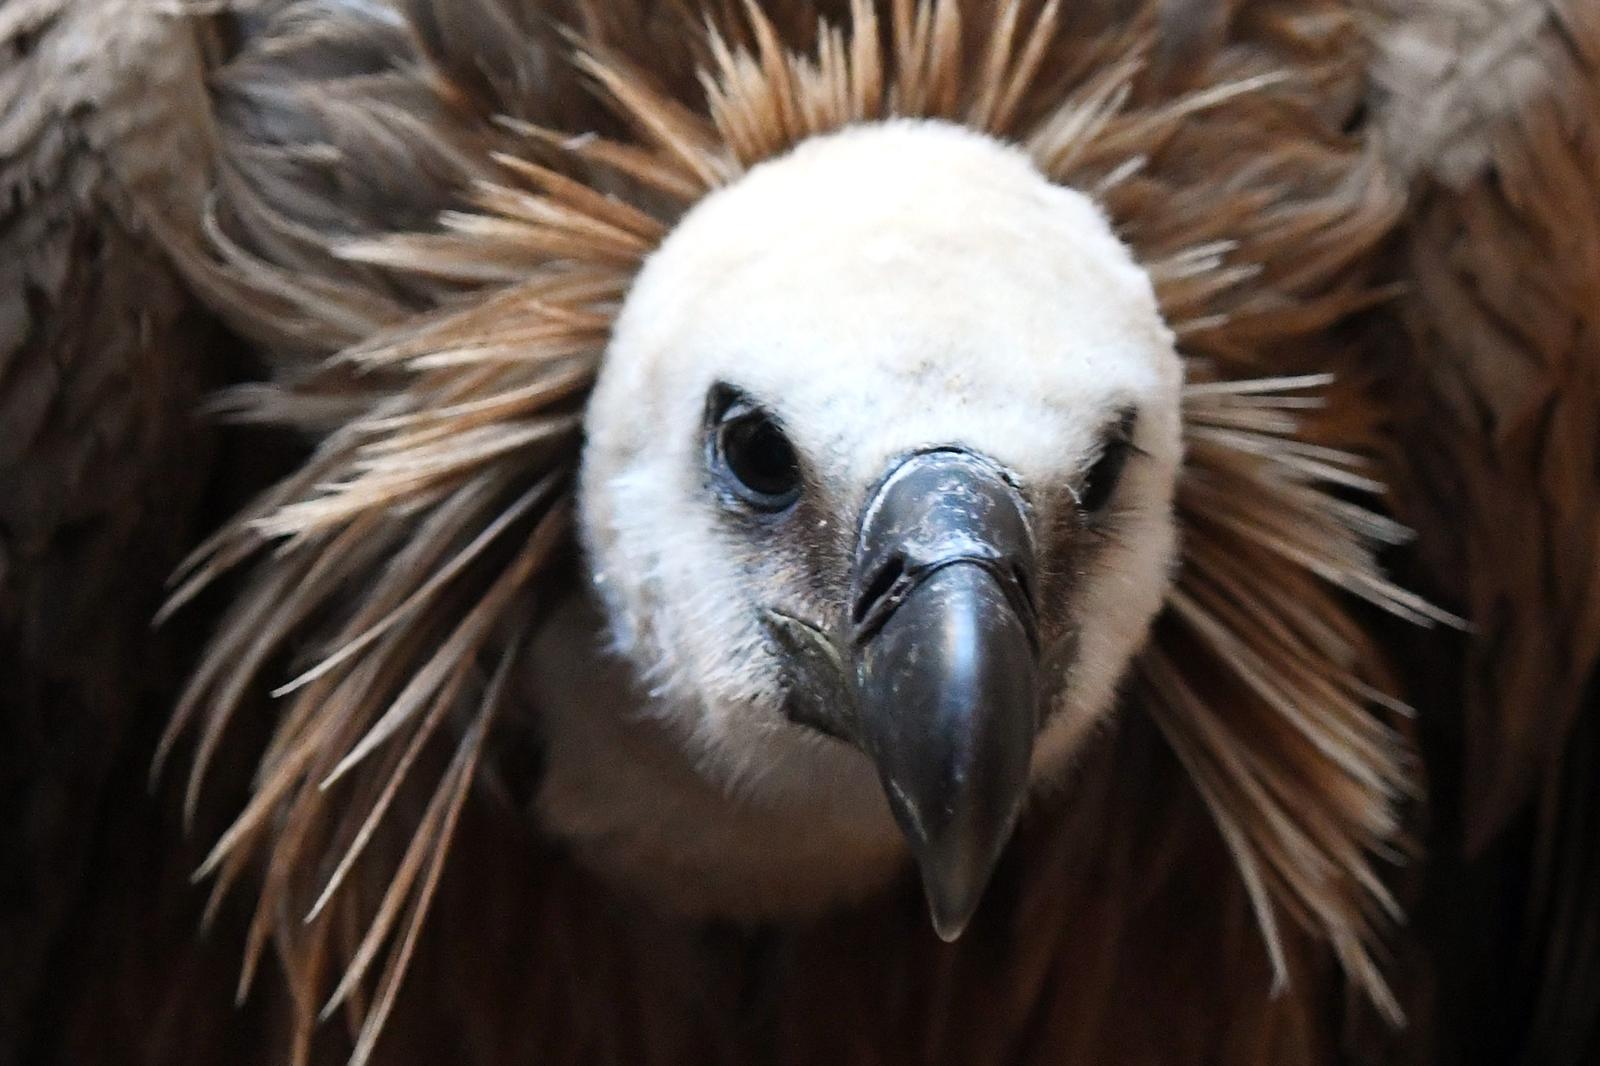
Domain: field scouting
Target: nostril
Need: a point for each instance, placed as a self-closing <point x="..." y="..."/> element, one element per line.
<point x="1019" y="575"/>
<point x="1027" y="606"/>
<point x="878" y="588"/>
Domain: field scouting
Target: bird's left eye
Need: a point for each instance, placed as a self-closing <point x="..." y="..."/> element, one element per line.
<point x="1101" y="484"/>
<point x="752" y="457"/>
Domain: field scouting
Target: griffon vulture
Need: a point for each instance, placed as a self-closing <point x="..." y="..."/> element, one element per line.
<point x="929" y="531"/>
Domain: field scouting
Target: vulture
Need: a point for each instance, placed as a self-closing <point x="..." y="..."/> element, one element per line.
<point x="810" y="531"/>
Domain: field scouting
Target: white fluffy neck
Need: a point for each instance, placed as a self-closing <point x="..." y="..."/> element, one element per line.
<point x="620" y="788"/>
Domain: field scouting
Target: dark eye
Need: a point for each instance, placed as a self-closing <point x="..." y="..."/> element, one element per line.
<point x="1101" y="484"/>
<point x="750" y="454"/>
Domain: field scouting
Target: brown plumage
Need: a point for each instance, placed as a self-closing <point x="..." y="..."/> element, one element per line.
<point x="1344" y="228"/>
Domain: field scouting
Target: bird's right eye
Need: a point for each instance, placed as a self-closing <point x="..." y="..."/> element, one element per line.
<point x="749" y="454"/>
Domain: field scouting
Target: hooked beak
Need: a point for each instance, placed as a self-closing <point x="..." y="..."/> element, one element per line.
<point x="944" y="647"/>
<point x="935" y="681"/>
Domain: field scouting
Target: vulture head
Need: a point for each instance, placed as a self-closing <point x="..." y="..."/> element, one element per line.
<point x="877" y="489"/>
<point x="812" y="465"/>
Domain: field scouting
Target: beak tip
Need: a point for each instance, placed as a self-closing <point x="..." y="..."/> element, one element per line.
<point x="952" y="900"/>
<point x="949" y="927"/>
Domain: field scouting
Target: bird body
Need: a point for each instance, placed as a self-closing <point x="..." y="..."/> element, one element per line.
<point x="687" y="476"/>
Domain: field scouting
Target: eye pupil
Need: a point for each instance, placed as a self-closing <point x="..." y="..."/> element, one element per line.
<point x="750" y="454"/>
<point x="1102" y="480"/>
<point x="759" y="456"/>
<point x="1101" y="484"/>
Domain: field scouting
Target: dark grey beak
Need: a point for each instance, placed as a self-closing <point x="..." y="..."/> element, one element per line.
<point x="943" y="649"/>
